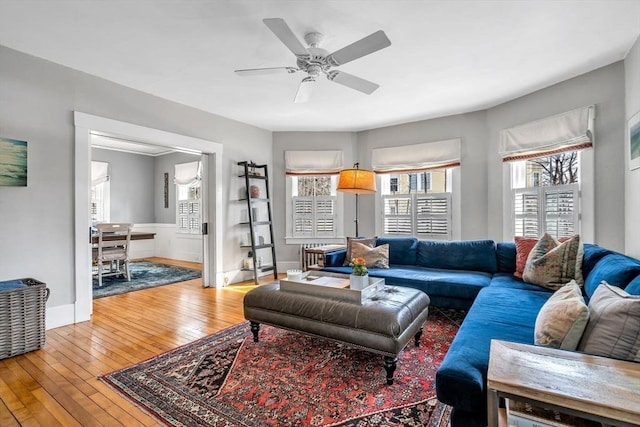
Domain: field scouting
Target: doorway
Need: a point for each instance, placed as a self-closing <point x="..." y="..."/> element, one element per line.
<point x="85" y="125"/>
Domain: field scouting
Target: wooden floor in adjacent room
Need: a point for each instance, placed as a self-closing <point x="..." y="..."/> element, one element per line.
<point x="58" y="385"/>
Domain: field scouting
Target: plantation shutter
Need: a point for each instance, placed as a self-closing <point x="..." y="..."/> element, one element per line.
<point x="553" y="210"/>
<point x="398" y="215"/>
<point x="433" y="217"/>
<point x="314" y="216"/>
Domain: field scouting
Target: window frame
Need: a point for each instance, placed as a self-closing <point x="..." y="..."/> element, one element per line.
<point x="586" y="182"/>
<point x="453" y="193"/>
<point x="290" y="217"/>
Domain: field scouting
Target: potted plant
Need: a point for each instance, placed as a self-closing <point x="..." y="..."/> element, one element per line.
<point x="359" y="278"/>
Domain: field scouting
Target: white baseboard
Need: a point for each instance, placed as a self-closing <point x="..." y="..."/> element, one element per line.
<point x="60" y="315"/>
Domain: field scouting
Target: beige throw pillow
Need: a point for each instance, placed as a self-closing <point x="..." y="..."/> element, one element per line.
<point x="367" y="241"/>
<point x="562" y="319"/>
<point x="552" y="264"/>
<point x="377" y="257"/>
<point x="614" y="324"/>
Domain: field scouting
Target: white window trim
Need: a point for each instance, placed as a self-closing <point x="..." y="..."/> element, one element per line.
<point x="453" y="187"/>
<point x="587" y="199"/>
<point x="291" y="240"/>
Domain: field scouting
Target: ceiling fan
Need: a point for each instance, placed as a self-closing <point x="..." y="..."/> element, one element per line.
<point x="316" y="61"/>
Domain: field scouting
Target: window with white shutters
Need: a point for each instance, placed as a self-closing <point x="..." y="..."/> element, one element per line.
<point x="548" y="197"/>
<point x="188" y="209"/>
<point x="314" y="206"/>
<point x="412" y="208"/>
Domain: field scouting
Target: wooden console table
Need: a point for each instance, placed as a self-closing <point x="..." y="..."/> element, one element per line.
<point x="313" y="258"/>
<point x="592" y="387"/>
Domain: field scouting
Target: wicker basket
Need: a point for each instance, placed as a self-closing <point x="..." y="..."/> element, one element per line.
<point x="22" y="318"/>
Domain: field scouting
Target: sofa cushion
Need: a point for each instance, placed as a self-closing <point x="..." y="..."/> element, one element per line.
<point x="552" y="264"/>
<point x="633" y="288"/>
<point x="616" y="269"/>
<point x="377" y="257"/>
<point x="591" y="255"/>
<point x="508" y="280"/>
<point x="562" y="319"/>
<point x="614" y="325"/>
<point x="402" y="250"/>
<point x="474" y="255"/>
<point x="506" y="257"/>
<point x="461" y="378"/>
<point x="368" y="241"/>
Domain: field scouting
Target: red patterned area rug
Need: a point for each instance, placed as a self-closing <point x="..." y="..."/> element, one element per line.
<point x="290" y="379"/>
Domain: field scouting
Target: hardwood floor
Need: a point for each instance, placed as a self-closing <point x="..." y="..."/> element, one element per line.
<point x="58" y="385"/>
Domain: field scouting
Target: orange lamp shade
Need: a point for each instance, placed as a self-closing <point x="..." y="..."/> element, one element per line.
<point x="357" y="181"/>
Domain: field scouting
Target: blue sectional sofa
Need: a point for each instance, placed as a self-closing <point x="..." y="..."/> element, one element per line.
<point x="478" y="276"/>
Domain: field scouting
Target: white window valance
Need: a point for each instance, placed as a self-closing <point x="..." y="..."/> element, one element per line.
<point x="313" y="162"/>
<point x="568" y="131"/>
<point x="417" y="157"/>
<point x="99" y="173"/>
<point x="188" y="173"/>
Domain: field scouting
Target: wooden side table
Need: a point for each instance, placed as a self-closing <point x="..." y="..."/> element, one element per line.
<point x="313" y="258"/>
<point x="597" y="388"/>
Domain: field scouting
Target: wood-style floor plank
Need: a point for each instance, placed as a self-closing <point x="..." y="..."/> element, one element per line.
<point x="58" y="385"/>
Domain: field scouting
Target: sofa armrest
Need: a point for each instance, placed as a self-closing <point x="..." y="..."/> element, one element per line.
<point x="335" y="259"/>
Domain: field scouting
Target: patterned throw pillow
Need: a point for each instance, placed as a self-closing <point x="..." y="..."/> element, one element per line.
<point x="552" y="264"/>
<point x="562" y="319"/>
<point x="614" y="324"/>
<point x="367" y="241"/>
<point x="377" y="257"/>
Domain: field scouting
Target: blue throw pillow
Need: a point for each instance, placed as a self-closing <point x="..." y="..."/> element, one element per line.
<point x="474" y="255"/>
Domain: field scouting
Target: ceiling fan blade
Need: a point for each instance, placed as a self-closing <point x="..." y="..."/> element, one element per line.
<point x="304" y="90"/>
<point x="286" y="36"/>
<point x="353" y="82"/>
<point x="372" y="43"/>
<point x="261" y="71"/>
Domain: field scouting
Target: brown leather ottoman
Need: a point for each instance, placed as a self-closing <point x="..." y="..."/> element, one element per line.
<point x="384" y="323"/>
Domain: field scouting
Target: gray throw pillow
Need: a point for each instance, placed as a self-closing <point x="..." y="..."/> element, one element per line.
<point x="367" y="241"/>
<point x="613" y="329"/>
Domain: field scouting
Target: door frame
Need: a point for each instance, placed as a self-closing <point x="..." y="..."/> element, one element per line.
<point x="85" y="124"/>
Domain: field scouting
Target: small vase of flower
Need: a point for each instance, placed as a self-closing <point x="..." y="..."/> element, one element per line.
<point x="359" y="278"/>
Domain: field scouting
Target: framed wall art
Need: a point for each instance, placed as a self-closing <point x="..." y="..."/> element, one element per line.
<point x="13" y="162"/>
<point x="633" y="131"/>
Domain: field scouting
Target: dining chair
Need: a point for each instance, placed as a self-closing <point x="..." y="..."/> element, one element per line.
<point x="111" y="255"/>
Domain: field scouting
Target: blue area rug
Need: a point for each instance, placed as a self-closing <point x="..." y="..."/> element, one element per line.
<point x="144" y="274"/>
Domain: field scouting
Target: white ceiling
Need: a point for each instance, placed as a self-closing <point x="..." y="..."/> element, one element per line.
<point x="446" y="57"/>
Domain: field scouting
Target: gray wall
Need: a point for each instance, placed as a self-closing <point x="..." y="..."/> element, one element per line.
<point x="603" y="87"/>
<point x="38" y="101"/>
<point x="167" y="164"/>
<point x="131" y="181"/>
<point x="482" y="168"/>
<point x="632" y="178"/>
<point x="137" y="185"/>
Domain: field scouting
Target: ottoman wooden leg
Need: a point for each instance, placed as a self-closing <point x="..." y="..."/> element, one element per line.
<point x="390" y="364"/>
<point x="417" y="337"/>
<point x="255" y="328"/>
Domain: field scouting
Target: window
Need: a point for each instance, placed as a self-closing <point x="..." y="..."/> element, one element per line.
<point x="188" y="197"/>
<point x="314" y="203"/>
<point x="100" y="192"/>
<point x="417" y="204"/>
<point x="545" y="194"/>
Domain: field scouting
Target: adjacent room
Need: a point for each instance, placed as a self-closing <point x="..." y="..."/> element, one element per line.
<point x="277" y="212"/>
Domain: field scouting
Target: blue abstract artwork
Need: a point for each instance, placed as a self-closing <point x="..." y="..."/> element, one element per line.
<point x="13" y="162"/>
